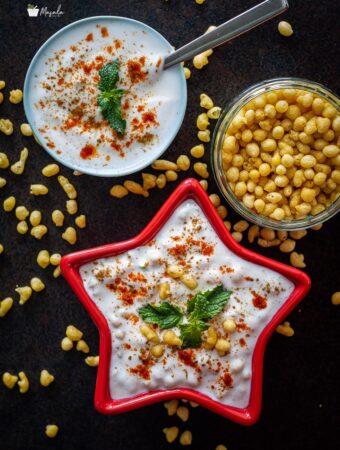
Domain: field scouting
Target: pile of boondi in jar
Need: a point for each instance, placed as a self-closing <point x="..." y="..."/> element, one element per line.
<point x="281" y="156"/>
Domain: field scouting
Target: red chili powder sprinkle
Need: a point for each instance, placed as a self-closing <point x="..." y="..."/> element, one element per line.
<point x="143" y="370"/>
<point x="117" y="147"/>
<point x="242" y="342"/>
<point x="183" y="263"/>
<point x="135" y="71"/>
<point x="70" y="123"/>
<point x="89" y="37"/>
<point x="242" y="327"/>
<point x="227" y="379"/>
<point x="127" y="294"/>
<point x="149" y="117"/>
<point x="151" y="243"/>
<point x="187" y="358"/>
<point x="87" y="68"/>
<point x="178" y="250"/>
<point x="206" y="249"/>
<point x="259" y="301"/>
<point x="137" y="277"/>
<point x="248" y="279"/>
<point x="132" y="318"/>
<point x="159" y="62"/>
<point x="104" y="32"/>
<point x="127" y="346"/>
<point x="226" y="269"/>
<point x="118" y="43"/>
<point x="140" y="108"/>
<point x="109" y="49"/>
<point x="60" y="81"/>
<point x="88" y="152"/>
<point x="126" y="104"/>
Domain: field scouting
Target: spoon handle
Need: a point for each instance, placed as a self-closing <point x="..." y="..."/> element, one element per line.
<point x="228" y="30"/>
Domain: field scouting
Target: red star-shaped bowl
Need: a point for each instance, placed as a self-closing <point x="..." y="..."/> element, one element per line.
<point x="70" y="264"/>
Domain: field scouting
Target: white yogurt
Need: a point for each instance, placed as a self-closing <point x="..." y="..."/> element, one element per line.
<point x="62" y="96"/>
<point x="120" y="285"/>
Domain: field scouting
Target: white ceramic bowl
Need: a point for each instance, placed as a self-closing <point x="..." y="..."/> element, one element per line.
<point x="170" y="113"/>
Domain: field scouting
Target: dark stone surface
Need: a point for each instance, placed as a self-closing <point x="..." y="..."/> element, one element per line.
<point x="300" y="408"/>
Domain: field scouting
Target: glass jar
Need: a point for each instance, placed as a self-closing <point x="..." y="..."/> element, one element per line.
<point x="217" y="142"/>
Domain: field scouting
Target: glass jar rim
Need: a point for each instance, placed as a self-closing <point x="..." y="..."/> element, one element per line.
<point x="222" y="125"/>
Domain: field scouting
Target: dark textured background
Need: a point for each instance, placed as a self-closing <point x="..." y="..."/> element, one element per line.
<point x="301" y="375"/>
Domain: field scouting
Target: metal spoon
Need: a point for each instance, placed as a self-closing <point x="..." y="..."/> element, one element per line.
<point x="228" y="30"/>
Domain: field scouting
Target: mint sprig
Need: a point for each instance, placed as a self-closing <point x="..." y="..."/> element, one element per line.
<point x="206" y="305"/>
<point x="110" y="98"/>
<point x="203" y="307"/>
<point x="165" y="315"/>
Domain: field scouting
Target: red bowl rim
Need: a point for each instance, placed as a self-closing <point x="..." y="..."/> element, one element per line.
<point x="70" y="264"/>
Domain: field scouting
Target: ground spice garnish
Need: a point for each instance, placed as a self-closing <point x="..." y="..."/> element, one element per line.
<point x="135" y="72"/>
<point x="103" y="273"/>
<point x="227" y="379"/>
<point x="242" y="342"/>
<point x="126" y="104"/>
<point x="259" y="301"/>
<point x="242" y="327"/>
<point x="118" y="43"/>
<point x="88" y="152"/>
<point x="143" y="370"/>
<point x="178" y="250"/>
<point x="89" y="37"/>
<point x="226" y="269"/>
<point x="187" y="358"/>
<point x="159" y="62"/>
<point x="127" y="294"/>
<point x="104" y="32"/>
<point x="206" y="249"/>
<point x="137" y="277"/>
<point x="132" y="318"/>
<point x="70" y="123"/>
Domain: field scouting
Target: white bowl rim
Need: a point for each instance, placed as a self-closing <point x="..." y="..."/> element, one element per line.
<point x="156" y="152"/>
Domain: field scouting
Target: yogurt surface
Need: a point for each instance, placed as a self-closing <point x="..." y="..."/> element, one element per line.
<point x="120" y="285"/>
<point x="62" y="93"/>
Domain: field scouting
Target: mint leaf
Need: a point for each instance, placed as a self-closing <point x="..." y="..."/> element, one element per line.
<point x="165" y="315"/>
<point x="110" y="105"/>
<point x="109" y="76"/>
<point x="192" y="302"/>
<point x="191" y="333"/>
<point x="206" y="305"/>
<point x="110" y="98"/>
<point x="206" y="294"/>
